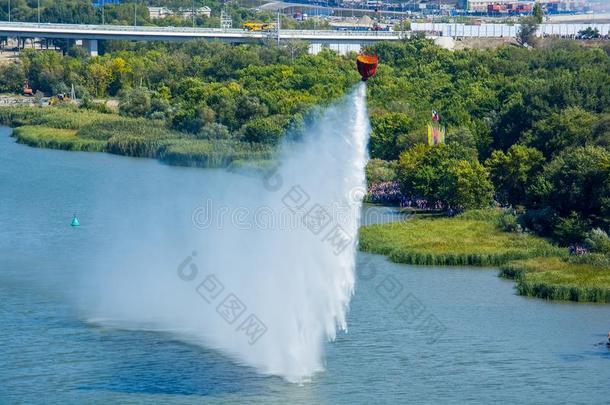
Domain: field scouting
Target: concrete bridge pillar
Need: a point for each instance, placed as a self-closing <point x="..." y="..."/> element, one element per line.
<point x="91" y="45"/>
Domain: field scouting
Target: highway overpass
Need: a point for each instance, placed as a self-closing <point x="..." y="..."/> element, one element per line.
<point x="341" y="41"/>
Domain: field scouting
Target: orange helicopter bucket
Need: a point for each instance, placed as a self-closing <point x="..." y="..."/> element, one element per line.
<point x="367" y="65"/>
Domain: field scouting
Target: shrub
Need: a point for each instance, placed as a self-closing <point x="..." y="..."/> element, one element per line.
<point x="508" y="222"/>
<point x="214" y="131"/>
<point x="379" y="171"/>
<point x="572" y="229"/>
<point x="135" y="103"/>
<point x="597" y="241"/>
<point x="539" y="221"/>
<point x="265" y="130"/>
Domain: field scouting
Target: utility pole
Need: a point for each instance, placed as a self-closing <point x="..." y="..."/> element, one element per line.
<point x="135" y="13"/>
<point x="9" y="10"/>
<point x="278" y="27"/>
<point x="103" y="12"/>
<point x="38" y="11"/>
<point x="193" y="14"/>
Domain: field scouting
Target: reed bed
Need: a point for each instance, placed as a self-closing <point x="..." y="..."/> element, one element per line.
<point x="63" y="117"/>
<point x="70" y="128"/>
<point x="452" y="241"/>
<point x="54" y="138"/>
<point x="211" y="154"/>
<point x="558" y="278"/>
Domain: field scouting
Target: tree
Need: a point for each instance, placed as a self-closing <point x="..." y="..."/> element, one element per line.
<point x="44" y="70"/>
<point x="99" y="76"/>
<point x="512" y="172"/>
<point x="12" y="77"/>
<point x="387" y="130"/>
<point x="249" y="106"/>
<point x="263" y="130"/>
<point x="378" y="171"/>
<point x="214" y="131"/>
<point x="135" y="102"/>
<point x="570" y="127"/>
<point x="526" y="34"/>
<point x="601" y="131"/>
<point x="577" y="180"/>
<point x="450" y="174"/>
<point x="588" y="33"/>
<point x="538" y="14"/>
<point x="466" y="185"/>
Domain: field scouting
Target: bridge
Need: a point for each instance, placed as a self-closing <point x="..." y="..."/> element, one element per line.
<point x="342" y="41"/>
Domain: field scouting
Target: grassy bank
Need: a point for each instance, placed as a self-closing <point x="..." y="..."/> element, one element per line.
<point x="69" y="128"/>
<point x="465" y="240"/>
<point x="539" y="268"/>
<point x="559" y="279"/>
<point x="54" y="138"/>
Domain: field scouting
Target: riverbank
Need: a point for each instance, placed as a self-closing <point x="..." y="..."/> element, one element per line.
<point x="71" y="128"/>
<point x="539" y="268"/>
<point x="560" y="279"/>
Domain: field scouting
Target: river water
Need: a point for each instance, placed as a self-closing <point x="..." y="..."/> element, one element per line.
<point x="416" y="334"/>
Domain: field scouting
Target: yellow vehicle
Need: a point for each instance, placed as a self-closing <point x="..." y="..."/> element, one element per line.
<point x="254" y="26"/>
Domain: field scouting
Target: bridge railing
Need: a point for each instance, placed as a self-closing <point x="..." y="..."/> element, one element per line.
<point x="190" y="30"/>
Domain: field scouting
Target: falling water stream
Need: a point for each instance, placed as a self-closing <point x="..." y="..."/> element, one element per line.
<point x="266" y="271"/>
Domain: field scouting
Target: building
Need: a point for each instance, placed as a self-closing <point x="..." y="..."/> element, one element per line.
<point x="162" y="12"/>
<point x="159" y="12"/>
<point x="500" y="6"/>
<point x="524" y="6"/>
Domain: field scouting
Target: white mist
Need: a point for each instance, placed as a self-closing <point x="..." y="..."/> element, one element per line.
<point x="255" y="247"/>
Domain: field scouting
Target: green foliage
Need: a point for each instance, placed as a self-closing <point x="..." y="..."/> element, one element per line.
<point x="597" y="241"/>
<point x="598" y="260"/>
<point x="451" y="241"/>
<point x="466" y="186"/>
<point x="508" y="222"/>
<point x="195" y="84"/>
<point x="390" y="135"/>
<point x="570" y="229"/>
<point x="485" y="214"/>
<point x="12" y="77"/>
<point x="265" y="130"/>
<point x="560" y="279"/>
<point x="447" y="173"/>
<point x="513" y="172"/>
<point x="588" y="33"/>
<point x="527" y="30"/>
<point x="135" y="103"/>
<point x="378" y="171"/>
<point x="214" y="131"/>
<point x="53" y="138"/>
<point x="577" y="180"/>
<point x="83" y="130"/>
<point x="540" y="221"/>
<point x="537" y="13"/>
<point x="214" y="154"/>
<point x="569" y="127"/>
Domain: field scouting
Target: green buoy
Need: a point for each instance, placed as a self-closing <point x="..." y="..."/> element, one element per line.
<point x="75" y="221"/>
